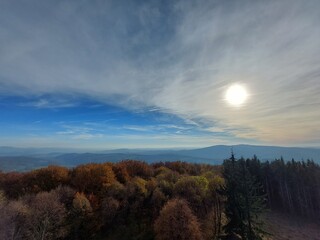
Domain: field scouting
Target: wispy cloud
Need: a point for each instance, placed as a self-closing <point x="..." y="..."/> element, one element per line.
<point x="86" y="136"/>
<point x="49" y="103"/>
<point x="177" y="58"/>
<point x="81" y="132"/>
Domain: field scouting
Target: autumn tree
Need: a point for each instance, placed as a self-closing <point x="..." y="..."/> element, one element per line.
<point x="214" y="202"/>
<point x="81" y="214"/>
<point x="121" y="172"/>
<point x="92" y="178"/>
<point x="177" y="222"/>
<point x="110" y="206"/>
<point x="158" y="199"/>
<point x="166" y="179"/>
<point x="195" y="190"/>
<point x="137" y="168"/>
<point x="12" y="184"/>
<point x="137" y="193"/>
<point x="65" y="195"/>
<point x="47" y="218"/>
<point x="45" y="179"/>
<point x="2" y="198"/>
<point x="81" y="205"/>
<point x="13" y="220"/>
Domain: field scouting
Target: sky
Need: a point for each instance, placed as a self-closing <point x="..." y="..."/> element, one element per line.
<point x="154" y="74"/>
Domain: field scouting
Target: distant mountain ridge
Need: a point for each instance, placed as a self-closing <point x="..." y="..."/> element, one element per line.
<point x="263" y="152"/>
<point x="24" y="159"/>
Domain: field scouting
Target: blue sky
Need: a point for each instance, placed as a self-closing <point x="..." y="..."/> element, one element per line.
<point x="153" y="74"/>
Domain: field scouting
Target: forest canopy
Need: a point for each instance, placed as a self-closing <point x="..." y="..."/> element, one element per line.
<point x="165" y="200"/>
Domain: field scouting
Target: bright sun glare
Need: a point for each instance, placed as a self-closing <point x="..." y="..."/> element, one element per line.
<point x="236" y="95"/>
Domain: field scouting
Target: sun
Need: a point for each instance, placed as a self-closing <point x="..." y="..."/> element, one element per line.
<point x="236" y="95"/>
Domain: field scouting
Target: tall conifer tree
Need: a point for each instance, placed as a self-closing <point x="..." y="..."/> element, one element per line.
<point x="244" y="200"/>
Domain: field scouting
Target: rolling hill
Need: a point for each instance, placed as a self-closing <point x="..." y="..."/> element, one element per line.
<point x="20" y="159"/>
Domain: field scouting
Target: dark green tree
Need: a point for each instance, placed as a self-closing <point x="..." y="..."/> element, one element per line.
<point x="244" y="201"/>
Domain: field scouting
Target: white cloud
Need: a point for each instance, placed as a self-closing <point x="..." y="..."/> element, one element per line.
<point x="121" y="56"/>
<point x="49" y="103"/>
<point x="86" y="136"/>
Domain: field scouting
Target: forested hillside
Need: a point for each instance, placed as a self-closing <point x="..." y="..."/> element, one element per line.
<point x="171" y="200"/>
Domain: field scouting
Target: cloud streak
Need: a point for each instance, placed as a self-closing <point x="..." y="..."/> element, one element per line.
<point x="176" y="57"/>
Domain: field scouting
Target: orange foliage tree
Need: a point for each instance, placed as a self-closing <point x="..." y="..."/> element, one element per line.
<point x="177" y="222"/>
<point x="137" y="169"/>
<point x="45" y="179"/>
<point x="92" y="178"/>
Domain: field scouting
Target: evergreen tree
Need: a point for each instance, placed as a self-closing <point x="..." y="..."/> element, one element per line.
<point x="244" y="200"/>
